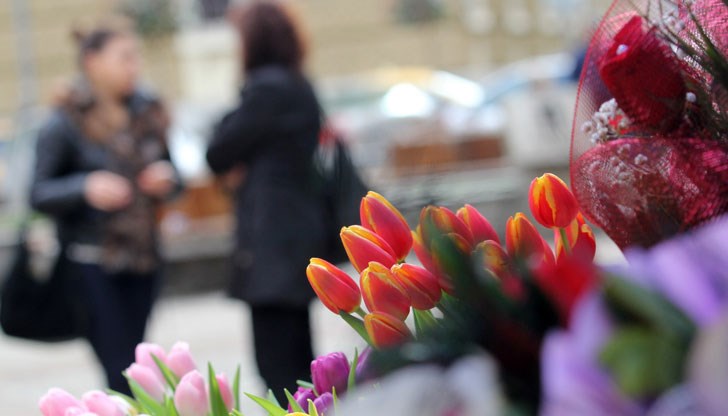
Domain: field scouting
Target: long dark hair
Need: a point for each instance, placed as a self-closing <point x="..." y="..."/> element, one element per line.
<point x="270" y="36"/>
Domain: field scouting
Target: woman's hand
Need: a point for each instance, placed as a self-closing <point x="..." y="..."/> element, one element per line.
<point x="107" y="191"/>
<point x="233" y="179"/>
<point x="158" y="179"/>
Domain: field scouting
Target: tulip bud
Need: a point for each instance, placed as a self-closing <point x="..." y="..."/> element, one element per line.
<point x="226" y="391"/>
<point x="386" y="330"/>
<point x="148" y="380"/>
<point x="523" y="240"/>
<point x="382" y="293"/>
<point x="364" y="371"/>
<point x="551" y="201"/>
<point x="180" y="360"/>
<point x="324" y="403"/>
<point x="144" y="353"/>
<point x="363" y="246"/>
<point x="581" y="240"/>
<point x="565" y="281"/>
<point x="101" y="404"/>
<point x="447" y="260"/>
<point x="442" y="221"/>
<point x="421" y="286"/>
<point x="330" y="372"/>
<point x="381" y="217"/>
<point x="190" y="398"/>
<point x="423" y="252"/>
<point x="479" y="226"/>
<point x="56" y="402"/>
<point x="493" y="258"/>
<point x="336" y="290"/>
<point x="302" y="396"/>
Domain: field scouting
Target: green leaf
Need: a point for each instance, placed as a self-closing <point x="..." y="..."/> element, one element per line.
<point x="237" y="412"/>
<point x="357" y="324"/>
<point x="424" y="321"/>
<point x="217" y="404"/>
<point x="171" y="409"/>
<point x="272" y="397"/>
<point x="312" y="411"/>
<point x="272" y="408"/>
<point x="236" y="388"/>
<point x="146" y="402"/>
<point x="292" y="402"/>
<point x="351" y="382"/>
<point x="634" y="303"/>
<point x="305" y="384"/>
<point x="644" y="363"/>
<point x="169" y="376"/>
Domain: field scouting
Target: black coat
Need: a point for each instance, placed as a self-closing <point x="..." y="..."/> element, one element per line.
<point x="281" y="216"/>
<point x="65" y="156"/>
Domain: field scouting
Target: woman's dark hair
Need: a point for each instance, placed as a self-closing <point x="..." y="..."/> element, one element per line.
<point x="270" y="36"/>
<point x="94" y="40"/>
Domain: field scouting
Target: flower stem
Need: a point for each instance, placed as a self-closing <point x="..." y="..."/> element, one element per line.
<point x="359" y="311"/>
<point x="565" y="241"/>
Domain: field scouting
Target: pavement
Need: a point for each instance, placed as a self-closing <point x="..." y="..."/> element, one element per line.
<point x="217" y="328"/>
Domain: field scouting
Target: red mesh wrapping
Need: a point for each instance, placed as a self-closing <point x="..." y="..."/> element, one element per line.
<point x="662" y="173"/>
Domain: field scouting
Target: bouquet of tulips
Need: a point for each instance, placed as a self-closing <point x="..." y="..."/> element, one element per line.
<point x="169" y="384"/>
<point x="163" y="384"/>
<point x="466" y="278"/>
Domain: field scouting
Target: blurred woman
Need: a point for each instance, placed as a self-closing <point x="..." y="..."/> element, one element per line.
<point x="102" y="168"/>
<point x="271" y="137"/>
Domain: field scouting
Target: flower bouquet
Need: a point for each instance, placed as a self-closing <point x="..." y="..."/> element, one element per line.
<point x="650" y="140"/>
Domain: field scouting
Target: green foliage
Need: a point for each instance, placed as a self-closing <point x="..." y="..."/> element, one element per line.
<point x="273" y="408"/>
<point x="217" y="404"/>
<point x="169" y="376"/>
<point x="292" y="402"/>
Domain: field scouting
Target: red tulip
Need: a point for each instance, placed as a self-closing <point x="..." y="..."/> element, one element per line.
<point x="523" y="240"/>
<point x="444" y="222"/>
<point x="423" y="252"/>
<point x="442" y="259"/>
<point x="363" y="246"/>
<point x="421" y="286"/>
<point x="336" y="290"/>
<point x="479" y="226"/>
<point x="551" y="201"/>
<point x="565" y="281"/>
<point x="381" y="217"/>
<point x="494" y="257"/>
<point x="581" y="240"/>
<point x="386" y="330"/>
<point x="629" y="70"/>
<point x="382" y="293"/>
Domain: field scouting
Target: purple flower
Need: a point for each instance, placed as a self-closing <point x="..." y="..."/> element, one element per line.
<point x="324" y="402"/>
<point x="329" y="372"/>
<point x="302" y="396"/>
<point x="364" y="370"/>
<point x="691" y="271"/>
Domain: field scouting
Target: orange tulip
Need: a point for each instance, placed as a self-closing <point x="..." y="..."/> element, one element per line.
<point x="523" y="240"/>
<point x="381" y="217"/>
<point x="386" y="330"/>
<point x="581" y="240"/>
<point x="383" y="293"/>
<point x="551" y="201"/>
<point x="422" y="252"/>
<point x="421" y="286"/>
<point x="363" y="246"/>
<point x="479" y="226"/>
<point x="444" y="222"/>
<point x="494" y="258"/>
<point x="336" y="290"/>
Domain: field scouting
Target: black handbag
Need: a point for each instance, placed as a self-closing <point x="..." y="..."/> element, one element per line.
<point x="41" y="308"/>
<point x="343" y="190"/>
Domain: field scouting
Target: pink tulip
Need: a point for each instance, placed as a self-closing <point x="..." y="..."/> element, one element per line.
<point x="144" y="353"/>
<point x="179" y="359"/>
<point x="226" y="391"/>
<point x="191" y="395"/>
<point x="57" y="401"/>
<point x="148" y="381"/>
<point x="100" y="403"/>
